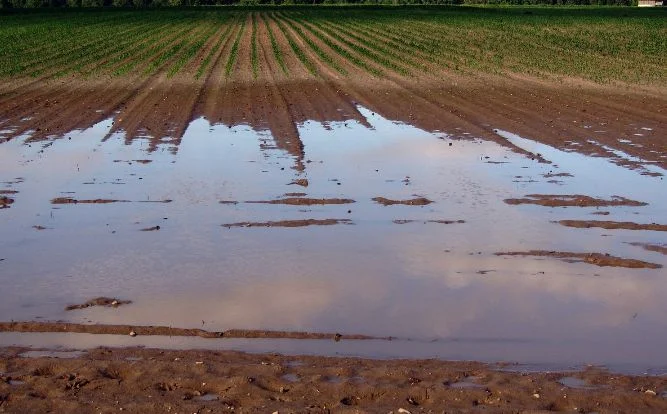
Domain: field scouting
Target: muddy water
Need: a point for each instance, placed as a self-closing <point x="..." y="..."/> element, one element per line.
<point x="395" y="270"/>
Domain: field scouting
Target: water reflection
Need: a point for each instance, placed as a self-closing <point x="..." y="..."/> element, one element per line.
<point x="421" y="281"/>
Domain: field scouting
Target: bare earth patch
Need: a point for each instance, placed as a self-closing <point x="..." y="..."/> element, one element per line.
<point x="101" y="301"/>
<point x="612" y="225"/>
<point x="576" y="200"/>
<point x="70" y="200"/>
<point x="290" y="223"/>
<point x="302" y="201"/>
<point x="398" y="221"/>
<point x="660" y="248"/>
<point x="156" y="381"/>
<point x="597" y="259"/>
<point x="164" y="330"/>
<point x="5" y="202"/>
<point x="418" y="201"/>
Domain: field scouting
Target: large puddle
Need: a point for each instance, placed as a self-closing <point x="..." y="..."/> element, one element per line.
<point x="339" y="261"/>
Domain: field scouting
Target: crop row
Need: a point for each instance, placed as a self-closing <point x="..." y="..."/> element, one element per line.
<point x="399" y="42"/>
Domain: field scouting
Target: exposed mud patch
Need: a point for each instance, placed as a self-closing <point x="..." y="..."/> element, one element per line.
<point x="302" y="201"/>
<point x="5" y="202"/>
<point x="101" y="301"/>
<point x="418" y="201"/>
<point x="660" y="248"/>
<point x="290" y="223"/>
<point x="576" y="200"/>
<point x="612" y="225"/>
<point x="70" y="200"/>
<point x="597" y="259"/>
<point x="148" y="380"/>
<point x="154" y="228"/>
<point x="428" y="221"/>
<point x="301" y="181"/>
<point x="167" y="331"/>
<point x="8" y="192"/>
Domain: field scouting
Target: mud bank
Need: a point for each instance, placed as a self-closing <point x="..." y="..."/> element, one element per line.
<point x="150" y="380"/>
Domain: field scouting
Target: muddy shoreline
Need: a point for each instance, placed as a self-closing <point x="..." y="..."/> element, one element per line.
<point x="152" y="380"/>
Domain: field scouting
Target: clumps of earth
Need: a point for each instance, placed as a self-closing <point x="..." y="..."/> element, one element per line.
<point x="101" y="301"/>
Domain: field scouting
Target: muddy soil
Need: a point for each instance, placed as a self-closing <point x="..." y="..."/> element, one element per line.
<point x="399" y="221"/>
<point x="612" y="225"/>
<point x="597" y="259"/>
<point x="167" y="331"/>
<point x="151" y="381"/>
<point x="576" y="200"/>
<point x="290" y="223"/>
<point x="301" y="201"/>
<point x="101" y="301"/>
<point x="659" y="248"/>
<point x="417" y="201"/>
<point x="69" y="200"/>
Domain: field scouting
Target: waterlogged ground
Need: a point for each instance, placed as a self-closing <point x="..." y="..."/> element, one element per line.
<point x="376" y="228"/>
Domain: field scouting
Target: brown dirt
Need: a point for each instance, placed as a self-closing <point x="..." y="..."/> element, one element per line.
<point x="597" y="259"/>
<point x="155" y="381"/>
<point x="576" y="200"/>
<point x="301" y="181"/>
<point x="302" y="201"/>
<point x="166" y="331"/>
<point x="101" y="301"/>
<point x="660" y="248"/>
<point x="418" y="201"/>
<point x="70" y="200"/>
<point x="5" y="202"/>
<point x="612" y="225"/>
<point x="428" y="221"/>
<point x="290" y="223"/>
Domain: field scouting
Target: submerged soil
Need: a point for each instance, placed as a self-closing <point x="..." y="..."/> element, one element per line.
<point x="576" y="200"/>
<point x="167" y="331"/>
<point x="597" y="259"/>
<point x="302" y="201"/>
<point x="418" y="201"/>
<point x="152" y="381"/>
<point x="290" y="223"/>
<point x="613" y="225"/>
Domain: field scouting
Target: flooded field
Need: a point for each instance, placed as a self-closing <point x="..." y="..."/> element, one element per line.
<point x="455" y="246"/>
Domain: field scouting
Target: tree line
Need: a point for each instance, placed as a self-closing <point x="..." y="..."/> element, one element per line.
<point x="28" y="4"/>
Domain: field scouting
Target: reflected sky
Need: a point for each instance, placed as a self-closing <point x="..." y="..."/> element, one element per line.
<point x="418" y="280"/>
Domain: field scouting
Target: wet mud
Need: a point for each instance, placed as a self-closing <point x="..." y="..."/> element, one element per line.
<point x="145" y="380"/>
<point x="101" y="301"/>
<point x="417" y="201"/>
<point x="291" y="223"/>
<point x="598" y="259"/>
<point x="302" y="201"/>
<point x="659" y="248"/>
<point x="166" y="330"/>
<point x="612" y="225"/>
<point x="576" y="200"/>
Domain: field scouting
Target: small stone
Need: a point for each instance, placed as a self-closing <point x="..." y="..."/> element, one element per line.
<point x="132" y="333"/>
<point x="650" y="392"/>
<point x="199" y="362"/>
<point x="536" y="395"/>
<point x="403" y="411"/>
